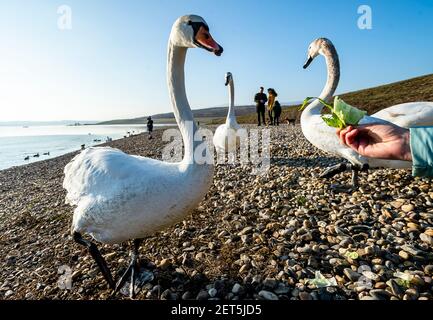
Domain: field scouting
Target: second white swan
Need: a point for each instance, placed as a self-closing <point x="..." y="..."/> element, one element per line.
<point x="225" y="138"/>
<point x="324" y="137"/>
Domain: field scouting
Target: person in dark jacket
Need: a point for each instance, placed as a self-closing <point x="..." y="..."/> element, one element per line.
<point x="260" y="99"/>
<point x="150" y="127"/>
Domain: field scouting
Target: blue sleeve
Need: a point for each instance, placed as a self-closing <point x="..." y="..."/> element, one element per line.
<point x="421" y="143"/>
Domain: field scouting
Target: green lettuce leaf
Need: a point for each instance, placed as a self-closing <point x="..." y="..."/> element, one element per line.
<point x="333" y="121"/>
<point x="346" y="113"/>
<point x="342" y="114"/>
<point x="308" y="99"/>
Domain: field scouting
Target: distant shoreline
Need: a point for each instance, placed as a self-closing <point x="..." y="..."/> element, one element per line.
<point x="112" y="143"/>
<point x="48" y="142"/>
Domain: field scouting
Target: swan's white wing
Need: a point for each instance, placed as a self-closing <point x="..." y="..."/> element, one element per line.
<point x="219" y="137"/>
<point x="226" y="139"/>
<point x="408" y="115"/>
<point x="320" y="135"/>
<point x="94" y="170"/>
<point x="120" y="197"/>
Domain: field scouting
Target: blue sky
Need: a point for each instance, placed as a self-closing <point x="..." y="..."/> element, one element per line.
<point x="112" y="63"/>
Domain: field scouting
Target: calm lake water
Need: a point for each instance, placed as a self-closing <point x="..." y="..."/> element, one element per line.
<point x="16" y="143"/>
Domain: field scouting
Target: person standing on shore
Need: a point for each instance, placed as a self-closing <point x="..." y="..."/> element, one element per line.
<point x="271" y="103"/>
<point x="260" y="99"/>
<point x="150" y="127"/>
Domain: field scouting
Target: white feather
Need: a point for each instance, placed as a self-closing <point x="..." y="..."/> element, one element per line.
<point x="408" y="115"/>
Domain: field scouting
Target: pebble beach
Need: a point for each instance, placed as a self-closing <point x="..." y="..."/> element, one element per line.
<point x="285" y="235"/>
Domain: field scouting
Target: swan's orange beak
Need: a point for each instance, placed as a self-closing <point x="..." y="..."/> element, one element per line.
<point x="205" y="40"/>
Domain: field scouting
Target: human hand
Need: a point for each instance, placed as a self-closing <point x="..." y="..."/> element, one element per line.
<point x="380" y="141"/>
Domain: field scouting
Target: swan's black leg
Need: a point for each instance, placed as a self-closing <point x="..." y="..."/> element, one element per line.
<point x="355" y="174"/>
<point x="334" y="170"/>
<point x="96" y="255"/>
<point x="132" y="269"/>
<point x="340" y="168"/>
<point x="355" y="178"/>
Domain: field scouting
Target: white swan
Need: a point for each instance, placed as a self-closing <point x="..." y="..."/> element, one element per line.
<point x="324" y="137"/>
<point x="225" y="138"/>
<point x="407" y="115"/>
<point x="119" y="197"/>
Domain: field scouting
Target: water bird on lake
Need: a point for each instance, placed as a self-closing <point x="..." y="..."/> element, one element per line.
<point x="119" y="197"/>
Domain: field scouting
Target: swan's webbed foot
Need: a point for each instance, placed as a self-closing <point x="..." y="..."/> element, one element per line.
<point x="130" y="271"/>
<point x="96" y="255"/>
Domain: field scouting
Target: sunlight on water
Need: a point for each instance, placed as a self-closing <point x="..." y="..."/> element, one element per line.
<point x="16" y="143"/>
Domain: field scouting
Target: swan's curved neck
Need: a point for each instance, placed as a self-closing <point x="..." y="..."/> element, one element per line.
<point x="231" y="114"/>
<point x="181" y="108"/>
<point x="333" y="66"/>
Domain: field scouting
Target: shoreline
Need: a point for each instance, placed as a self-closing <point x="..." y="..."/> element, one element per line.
<point x="252" y="237"/>
<point x="78" y="150"/>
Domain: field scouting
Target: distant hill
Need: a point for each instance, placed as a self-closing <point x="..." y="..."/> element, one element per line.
<point x="371" y="100"/>
<point x="374" y="99"/>
<point x="207" y="113"/>
<point x="45" y="123"/>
